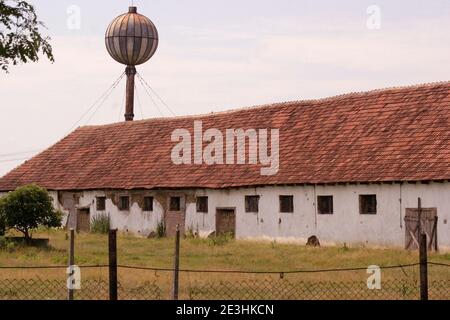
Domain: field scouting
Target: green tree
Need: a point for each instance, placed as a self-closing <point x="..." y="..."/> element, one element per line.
<point x="28" y="208"/>
<point x="2" y="224"/>
<point x="20" y="36"/>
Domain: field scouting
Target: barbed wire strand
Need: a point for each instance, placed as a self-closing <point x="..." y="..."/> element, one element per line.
<point x="227" y="271"/>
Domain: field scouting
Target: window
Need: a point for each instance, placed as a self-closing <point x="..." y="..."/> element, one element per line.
<point x="148" y="203"/>
<point x="202" y="204"/>
<point x="368" y="204"/>
<point x="287" y="204"/>
<point x="325" y="204"/>
<point x="124" y="203"/>
<point x="175" y="204"/>
<point x="101" y="203"/>
<point x="251" y="203"/>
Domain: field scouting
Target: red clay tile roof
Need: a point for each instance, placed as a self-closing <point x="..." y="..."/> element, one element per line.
<point x="398" y="134"/>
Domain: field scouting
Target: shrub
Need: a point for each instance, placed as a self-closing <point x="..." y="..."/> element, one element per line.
<point x="100" y="224"/>
<point x="7" y="245"/>
<point x="161" y="230"/>
<point x="28" y="208"/>
<point x="3" y="242"/>
<point x="2" y="224"/>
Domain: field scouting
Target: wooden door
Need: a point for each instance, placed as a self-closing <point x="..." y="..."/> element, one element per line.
<point x="226" y="221"/>
<point x="427" y="224"/>
<point x="175" y="214"/>
<point x="83" y="220"/>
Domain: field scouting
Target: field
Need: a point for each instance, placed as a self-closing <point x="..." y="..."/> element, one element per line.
<point x="218" y="255"/>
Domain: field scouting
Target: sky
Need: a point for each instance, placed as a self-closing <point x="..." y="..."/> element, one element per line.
<point x="214" y="56"/>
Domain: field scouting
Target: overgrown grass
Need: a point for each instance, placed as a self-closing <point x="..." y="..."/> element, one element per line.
<point x="100" y="224"/>
<point x="161" y="229"/>
<point x="222" y="253"/>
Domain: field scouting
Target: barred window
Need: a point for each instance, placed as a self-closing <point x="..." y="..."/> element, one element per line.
<point x="148" y="203"/>
<point x="325" y="204"/>
<point x="287" y="204"/>
<point x="124" y="203"/>
<point x="101" y="203"/>
<point x="175" y="204"/>
<point x="202" y="204"/>
<point x="368" y="204"/>
<point x="252" y="204"/>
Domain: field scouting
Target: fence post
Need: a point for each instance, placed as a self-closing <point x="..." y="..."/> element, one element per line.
<point x="423" y="267"/>
<point x="176" y="268"/>
<point x="71" y="260"/>
<point x="112" y="249"/>
<point x="419" y="216"/>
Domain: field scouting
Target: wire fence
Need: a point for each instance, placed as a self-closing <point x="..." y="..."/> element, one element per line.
<point x="142" y="283"/>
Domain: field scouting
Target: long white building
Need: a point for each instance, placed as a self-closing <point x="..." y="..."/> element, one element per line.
<point x="347" y="169"/>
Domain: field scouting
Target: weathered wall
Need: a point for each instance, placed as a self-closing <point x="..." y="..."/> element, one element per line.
<point x="386" y="228"/>
<point x="346" y="225"/>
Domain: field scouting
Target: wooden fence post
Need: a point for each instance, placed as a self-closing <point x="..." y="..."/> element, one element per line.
<point x="423" y="267"/>
<point x="176" y="268"/>
<point x="112" y="249"/>
<point x="419" y="216"/>
<point x="71" y="261"/>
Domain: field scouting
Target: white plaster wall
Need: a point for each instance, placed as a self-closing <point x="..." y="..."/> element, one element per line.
<point x="433" y="195"/>
<point x="346" y="225"/>
<point x="58" y="206"/>
<point x="134" y="220"/>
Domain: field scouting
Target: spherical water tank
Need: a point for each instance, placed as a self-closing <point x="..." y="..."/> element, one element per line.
<point x="131" y="39"/>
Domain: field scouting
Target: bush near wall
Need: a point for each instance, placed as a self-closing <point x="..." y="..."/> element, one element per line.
<point x="100" y="224"/>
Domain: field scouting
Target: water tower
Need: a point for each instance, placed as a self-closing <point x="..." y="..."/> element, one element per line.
<point x="131" y="39"/>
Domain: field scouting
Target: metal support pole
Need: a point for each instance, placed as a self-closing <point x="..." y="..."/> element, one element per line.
<point x="423" y="268"/>
<point x="130" y="71"/>
<point x="71" y="260"/>
<point x="176" y="268"/>
<point x="112" y="248"/>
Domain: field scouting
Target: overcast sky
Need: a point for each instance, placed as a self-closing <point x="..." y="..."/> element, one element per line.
<point x="218" y="55"/>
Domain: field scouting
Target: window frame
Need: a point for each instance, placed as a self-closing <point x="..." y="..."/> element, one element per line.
<point x="103" y="199"/>
<point x="145" y="208"/>
<point x="248" y="208"/>
<point x="319" y="202"/>
<point x="124" y="208"/>
<point x="198" y="205"/>
<point x="290" y="203"/>
<point x="363" y="207"/>
<point x="179" y="204"/>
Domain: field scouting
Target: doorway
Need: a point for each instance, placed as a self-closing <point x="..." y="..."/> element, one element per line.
<point x="175" y="214"/>
<point x="83" y="220"/>
<point x="226" y="221"/>
<point x="427" y="224"/>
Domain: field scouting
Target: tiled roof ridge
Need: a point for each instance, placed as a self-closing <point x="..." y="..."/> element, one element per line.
<point x="337" y="97"/>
